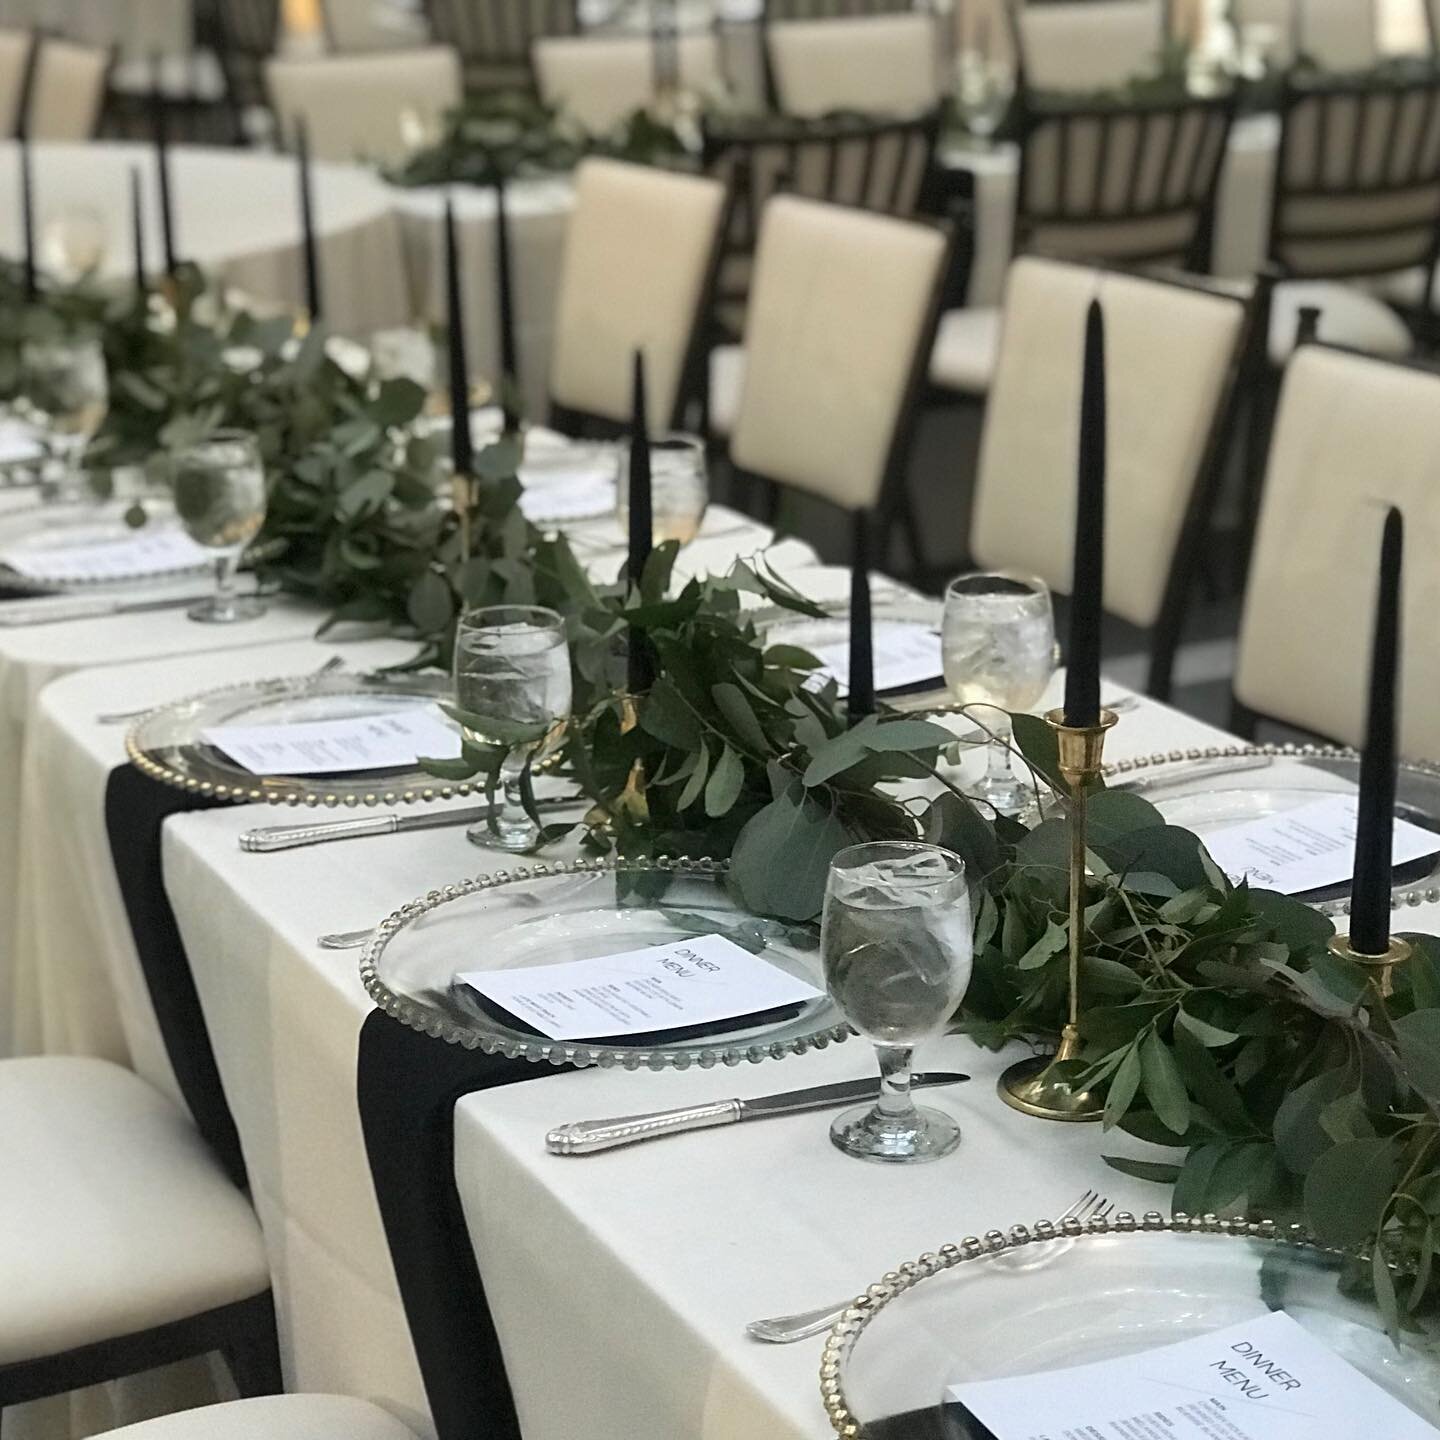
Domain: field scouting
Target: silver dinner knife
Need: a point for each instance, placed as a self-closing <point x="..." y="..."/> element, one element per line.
<point x="288" y="837"/>
<point x="585" y="1137"/>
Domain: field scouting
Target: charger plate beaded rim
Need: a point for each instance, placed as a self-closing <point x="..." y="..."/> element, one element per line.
<point x="847" y="1330"/>
<point x="431" y="1021"/>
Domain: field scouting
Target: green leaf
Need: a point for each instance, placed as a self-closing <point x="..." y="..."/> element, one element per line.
<point x="1163" y="1084"/>
<point x="499" y="460"/>
<point x="723" y="787"/>
<point x="430" y="604"/>
<point x="1051" y="943"/>
<point x="665" y="714"/>
<point x="782" y="856"/>
<point x="733" y="705"/>
<point x="1123" y="1086"/>
<point x="834" y="758"/>
<point x="1347" y="1188"/>
<point x="1036" y="741"/>
<point x="1196" y="1172"/>
<point x="1418" y="1038"/>
<point x="1159" y="1171"/>
<point x="1205" y="1080"/>
<point x="1299" y="1136"/>
<point x="398" y="402"/>
<point x="696" y="783"/>
<point x="1113" y="814"/>
<point x="954" y="823"/>
<point x="790" y="657"/>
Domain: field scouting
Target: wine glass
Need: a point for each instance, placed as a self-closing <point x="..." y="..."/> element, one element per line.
<point x="512" y="676"/>
<point x="73" y="241"/>
<point x="897" y="943"/>
<point x="997" y="643"/>
<point x="983" y="90"/>
<point x="67" y="382"/>
<point x="219" y="486"/>
<point x="679" y="487"/>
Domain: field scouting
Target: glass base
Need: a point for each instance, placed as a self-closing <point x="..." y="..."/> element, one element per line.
<point x="868" y="1134"/>
<point x="218" y="610"/>
<point x="1008" y="797"/>
<point x="514" y="839"/>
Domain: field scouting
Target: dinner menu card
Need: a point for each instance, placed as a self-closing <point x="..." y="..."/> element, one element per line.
<point x="695" y="981"/>
<point x="388" y="740"/>
<point x="1306" y="848"/>
<point x="906" y="653"/>
<point x="1264" y="1379"/>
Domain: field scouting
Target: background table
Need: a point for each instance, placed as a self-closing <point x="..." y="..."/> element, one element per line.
<point x="237" y="215"/>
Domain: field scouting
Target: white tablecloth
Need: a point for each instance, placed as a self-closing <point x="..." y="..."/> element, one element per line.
<point x="1242" y="207"/>
<point x="236" y="214"/>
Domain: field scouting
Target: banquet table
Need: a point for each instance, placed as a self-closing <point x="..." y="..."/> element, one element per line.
<point x="1242" y="206"/>
<point x="236" y="214"/>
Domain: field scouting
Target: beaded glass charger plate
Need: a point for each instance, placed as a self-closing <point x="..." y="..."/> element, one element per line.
<point x="88" y="545"/>
<point x="1209" y="790"/>
<point x="580" y="910"/>
<point x="168" y="744"/>
<point x="1043" y="1299"/>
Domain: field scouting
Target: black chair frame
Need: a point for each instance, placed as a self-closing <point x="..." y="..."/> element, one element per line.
<point x="555" y="17"/>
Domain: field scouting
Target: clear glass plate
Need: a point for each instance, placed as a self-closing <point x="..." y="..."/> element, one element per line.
<point x="549" y="914"/>
<point x="1210" y="790"/>
<point x="1020" y="1303"/>
<point x="166" y="743"/>
<point x="69" y="524"/>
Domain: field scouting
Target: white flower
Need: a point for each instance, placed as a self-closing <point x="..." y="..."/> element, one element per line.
<point x="404" y="353"/>
<point x="352" y="357"/>
<point x="242" y="359"/>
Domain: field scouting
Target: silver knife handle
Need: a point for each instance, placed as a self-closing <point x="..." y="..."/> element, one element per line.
<point x="287" y="837"/>
<point x="584" y="1137"/>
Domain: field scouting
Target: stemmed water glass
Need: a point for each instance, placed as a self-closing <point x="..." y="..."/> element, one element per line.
<point x="997" y="643"/>
<point x="73" y="242"/>
<point x="679" y="486"/>
<point x="983" y="90"/>
<point x="897" y="944"/>
<point x="512" y="677"/>
<point x="68" y="384"/>
<point x="219" y="486"/>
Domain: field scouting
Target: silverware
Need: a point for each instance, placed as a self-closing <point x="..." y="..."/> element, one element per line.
<point x="786" y="1329"/>
<point x="1169" y="775"/>
<point x="121" y="717"/>
<point x="585" y="1137"/>
<point x="288" y="837"/>
<point x="47" y="610"/>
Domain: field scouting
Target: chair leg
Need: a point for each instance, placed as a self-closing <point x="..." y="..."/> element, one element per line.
<point x="252" y="1350"/>
<point x="1257" y="454"/>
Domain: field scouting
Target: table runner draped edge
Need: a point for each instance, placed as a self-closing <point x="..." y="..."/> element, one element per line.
<point x="136" y="808"/>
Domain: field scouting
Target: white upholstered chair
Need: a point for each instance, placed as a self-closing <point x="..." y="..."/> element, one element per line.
<point x="274" y="1417"/>
<point x="601" y="80"/>
<point x="1088" y="44"/>
<point x="14" y="66"/>
<point x="67" y="90"/>
<point x="123" y="1243"/>
<point x="1129" y="187"/>
<point x="876" y="64"/>
<point x="360" y="106"/>
<point x="1173" y="354"/>
<point x="1354" y="435"/>
<point x="641" y="253"/>
<point x="843" y="311"/>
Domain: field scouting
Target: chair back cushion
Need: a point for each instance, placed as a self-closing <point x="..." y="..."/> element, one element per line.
<point x="1089" y="44"/>
<point x="1358" y="177"/>
<point x="638" y="255"/>
<point x="14" y="64"/>
<point x="877" y="64"/>
<point x="67" y="90"/>
<point x="359" y="106"/>
<point x="843" y="304"/>
<point x="1354" y="435"/>
<point x="1170" y="355"/>
<point x="601" y="80"/>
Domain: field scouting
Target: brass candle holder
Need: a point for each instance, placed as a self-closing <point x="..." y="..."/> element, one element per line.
<point x="1379" y="968"/>
<point x="1048" y="1086"/>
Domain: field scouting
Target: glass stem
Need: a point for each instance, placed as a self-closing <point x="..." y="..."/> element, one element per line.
<point x="225" y="567"/>
<point x="896" y="1103"/>
<point x="998" y="770"/>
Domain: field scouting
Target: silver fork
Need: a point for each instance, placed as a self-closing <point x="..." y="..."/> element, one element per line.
<point x="122" y="717"/>
<point x="786" y="1329"/>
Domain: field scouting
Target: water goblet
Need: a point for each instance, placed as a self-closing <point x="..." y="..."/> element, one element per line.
<point x="73" y="242"/>
<point x="897" y="943"/>
<point x="997" y="643"/>
<point x="219" y="487"/>
<point x="679" y="487"/>
<point x="67" y="382"/>
<point x="983" y="90"/>
<point x="512" y="676"/>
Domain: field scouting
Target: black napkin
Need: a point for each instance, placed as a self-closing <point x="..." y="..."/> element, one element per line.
<point x="136" y="807"/>
<point x="408" y="1084"/>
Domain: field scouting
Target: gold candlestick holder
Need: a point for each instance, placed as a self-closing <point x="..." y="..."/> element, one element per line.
<point x="1379" y="968"/>
<point x="1048" y="1086"/>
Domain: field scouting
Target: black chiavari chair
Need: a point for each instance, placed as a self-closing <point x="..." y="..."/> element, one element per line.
<point x="835" y="9"/>
<point x="494" y="36"/>
<point x="244" y="33"/>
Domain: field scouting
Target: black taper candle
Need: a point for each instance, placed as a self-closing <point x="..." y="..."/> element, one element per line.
<point x="137" y="231"/>
<point x="313" y="299"/>
<point x="1087" y="592"/>
<point x="162" y="165"/>
<point x="462" y="450"/>
<point x="1370" y="889"/>
<point x="509" y="349"/>
<point x="861" y="701"/>
<point x="27" y="215"/>
<point x="640" y="661"/>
